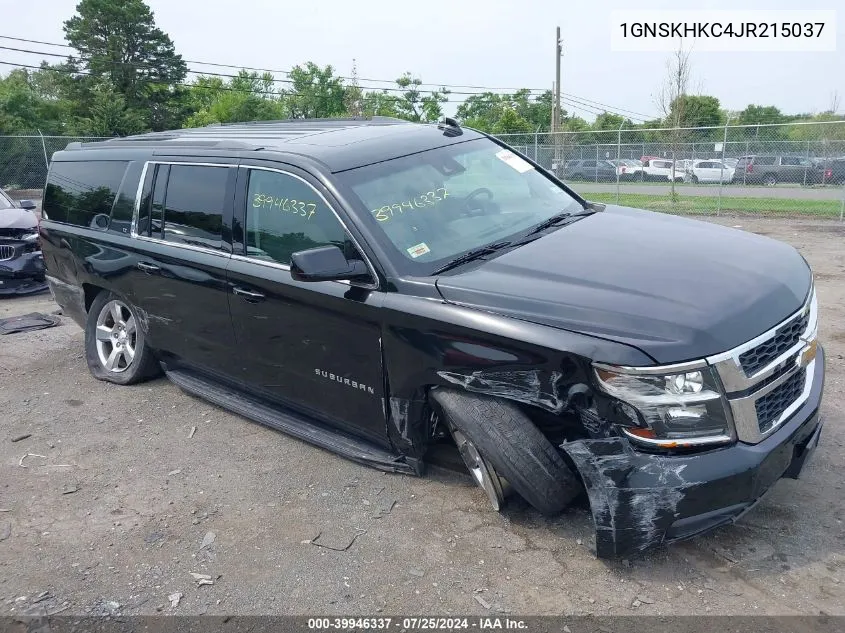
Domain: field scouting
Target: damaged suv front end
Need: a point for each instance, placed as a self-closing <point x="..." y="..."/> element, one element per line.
<point x="21" y="262"/>
<point x="700" y="442"/>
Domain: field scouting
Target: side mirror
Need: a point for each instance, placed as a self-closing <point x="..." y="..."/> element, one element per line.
<point x="325" y="263"/>
<point x="29" y="205"/>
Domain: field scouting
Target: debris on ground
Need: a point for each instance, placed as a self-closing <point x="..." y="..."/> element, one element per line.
<point x="41" y="597"/>
<point x="193" y="430"/>
<point x="482" y="601"/>
<point x="202" y="579"/>
<point x="28" y="323"/>
<point x="5" y="530"/>
<point x="208" y="539"/>
<point x="174" y="472"/>
<point x="19" y="438"/>
<point x="419" y="573"/>
<point x="339" y="541"/>
<point x="645" y="599"/>
<point x="383" y="508"/>
<point x="175" y="598"/>
<point x="70" y="488"/>
<point x="21" y="460"/>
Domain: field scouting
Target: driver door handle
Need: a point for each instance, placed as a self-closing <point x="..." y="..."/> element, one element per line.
<point x="148" y="268"/>
<point x="249" y="295"/>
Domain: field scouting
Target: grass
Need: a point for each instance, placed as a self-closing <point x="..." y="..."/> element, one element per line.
<point x="730" y="204"/>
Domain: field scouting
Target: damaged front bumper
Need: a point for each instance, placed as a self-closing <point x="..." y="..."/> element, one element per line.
<point x="23" y="273"/>
<point x="639" y="500"/>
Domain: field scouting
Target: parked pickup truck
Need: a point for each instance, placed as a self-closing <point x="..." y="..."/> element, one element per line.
<point x="388" y="291"/>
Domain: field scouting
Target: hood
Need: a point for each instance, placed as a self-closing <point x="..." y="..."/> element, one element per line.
<point x="677" y="289"/>
<point x="17" y="219"/>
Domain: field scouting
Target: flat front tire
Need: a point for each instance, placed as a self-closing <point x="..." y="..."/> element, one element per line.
<point x="503" y="448"/>
<point x="115" y="346"/>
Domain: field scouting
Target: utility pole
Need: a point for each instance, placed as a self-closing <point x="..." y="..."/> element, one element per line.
<point x="556" y="118"/>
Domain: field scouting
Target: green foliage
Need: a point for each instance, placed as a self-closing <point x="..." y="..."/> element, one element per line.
<point x="314" y="93"/>
<point x="118" y="45"/>
<point x="125" y="77"/>
<point x="511" y="123"/>
<point x="416" y="105"/>
<point x="247" y="97"/>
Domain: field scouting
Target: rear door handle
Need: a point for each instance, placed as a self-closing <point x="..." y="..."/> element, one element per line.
<point x="148" y="268"/>
<point x="249" y="295"/>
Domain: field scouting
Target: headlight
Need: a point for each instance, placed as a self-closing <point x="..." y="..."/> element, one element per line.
<point x="670" y="406"/>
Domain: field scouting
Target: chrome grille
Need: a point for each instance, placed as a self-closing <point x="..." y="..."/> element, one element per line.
<point x="785" y="337"/>
<point x="767" y="379"/>
<point x="6" y="252"/>
<point x="771" y="406"/>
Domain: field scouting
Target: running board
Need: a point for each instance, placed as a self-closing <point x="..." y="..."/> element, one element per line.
<point x="289" y="422"/>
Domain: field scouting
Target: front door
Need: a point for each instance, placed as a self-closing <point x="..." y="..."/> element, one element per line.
<point x="313" y="346"/>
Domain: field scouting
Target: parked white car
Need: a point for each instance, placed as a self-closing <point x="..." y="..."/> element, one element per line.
<point x="710" y="171"/>
<point x="628" y="168"/>
<point x="661" y="169"/>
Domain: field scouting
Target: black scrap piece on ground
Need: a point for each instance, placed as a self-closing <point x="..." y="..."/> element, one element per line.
<point x="28" y="322"/>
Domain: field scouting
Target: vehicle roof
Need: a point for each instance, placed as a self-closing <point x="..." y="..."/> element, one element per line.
<point x="340" y="144"/>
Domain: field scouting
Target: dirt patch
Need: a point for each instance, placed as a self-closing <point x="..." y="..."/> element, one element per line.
<point x="119" y="500"/>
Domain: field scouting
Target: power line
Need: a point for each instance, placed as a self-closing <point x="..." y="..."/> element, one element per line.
<point x="585" y="100"/>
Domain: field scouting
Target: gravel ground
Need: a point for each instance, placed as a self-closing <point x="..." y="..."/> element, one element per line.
<point x="116" y="505"/>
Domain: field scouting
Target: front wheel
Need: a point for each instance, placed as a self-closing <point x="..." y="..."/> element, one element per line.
<point x="115" y="346"/>
<point x="502" y="447"/>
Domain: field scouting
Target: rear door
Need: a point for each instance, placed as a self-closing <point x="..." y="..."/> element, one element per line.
<point x="313" y="346"/>
<point x="179" y="280"/>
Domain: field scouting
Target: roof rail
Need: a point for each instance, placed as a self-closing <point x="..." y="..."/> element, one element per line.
<point x="364" y="119"/>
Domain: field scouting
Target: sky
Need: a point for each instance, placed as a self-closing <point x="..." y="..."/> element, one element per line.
<point x="490" y="43"/>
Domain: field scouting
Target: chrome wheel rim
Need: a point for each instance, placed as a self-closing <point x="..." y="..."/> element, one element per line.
<point x="117" y="337"/>
<point x="481" y="471"/>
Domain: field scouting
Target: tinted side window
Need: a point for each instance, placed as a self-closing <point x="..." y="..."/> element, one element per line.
<point x="82" y="192"/>
<point x="285" y="215"/>
<point x="194" y="203"/>
<point x="124" y="206"/>
<point x="765" y="160"/>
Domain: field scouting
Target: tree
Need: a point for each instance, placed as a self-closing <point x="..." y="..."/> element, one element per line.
<point x="672" y="103"/>
<point x="247" y="97"/>
<point x="118" y="43"/>
<point x="109" y="115"/>
<point x="511" y="123"/>
<point x="380" y="103"/>
<point x="697" y="111"/>
<point x="414" y="105"/>
<point x="315" y="93"/>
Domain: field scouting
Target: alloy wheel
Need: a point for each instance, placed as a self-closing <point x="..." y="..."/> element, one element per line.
<point x="117" y="336"/>
<point x="482" y="472"/>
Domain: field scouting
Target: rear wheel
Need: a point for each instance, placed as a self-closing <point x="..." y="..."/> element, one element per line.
<point x="502" y="448"/>
<point x="770" y="180"/>
<point x="115" y="346"/>
<point x="694" y="179"/>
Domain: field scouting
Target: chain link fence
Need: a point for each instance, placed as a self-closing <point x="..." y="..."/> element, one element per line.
<point x="24" y="159"/>
<point x="795" y="169"/>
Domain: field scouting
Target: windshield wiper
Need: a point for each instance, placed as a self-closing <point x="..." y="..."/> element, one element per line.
<point x="560" y="219"/>
<point x="472" y="255"/>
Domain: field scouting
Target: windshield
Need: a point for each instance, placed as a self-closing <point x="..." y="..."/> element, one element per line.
<point x="433" y="206"/>
<point x="5" y="203"/>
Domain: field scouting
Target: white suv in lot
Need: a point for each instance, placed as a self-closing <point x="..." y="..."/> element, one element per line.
<point x="661" y="169"/>
<point x="711" y="170"/>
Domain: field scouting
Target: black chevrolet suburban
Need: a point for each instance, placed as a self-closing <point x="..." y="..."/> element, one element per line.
<point x="384" y="290"/>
